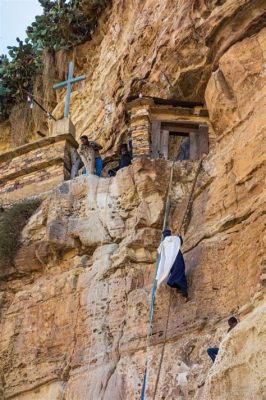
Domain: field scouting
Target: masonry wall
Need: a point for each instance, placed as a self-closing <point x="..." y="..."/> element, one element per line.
<point x="35" y="168"/>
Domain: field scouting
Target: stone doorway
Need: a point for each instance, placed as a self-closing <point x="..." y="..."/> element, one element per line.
<point x="169" y="129"/>
<point x="178" y="141"/>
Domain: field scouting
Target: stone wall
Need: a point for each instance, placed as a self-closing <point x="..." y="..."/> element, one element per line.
<point x="35" y="167"/>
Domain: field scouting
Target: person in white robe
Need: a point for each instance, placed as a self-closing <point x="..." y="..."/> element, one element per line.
<point x="171" y="269"/>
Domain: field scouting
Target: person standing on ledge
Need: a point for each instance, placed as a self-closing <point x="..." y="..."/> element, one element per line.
<point x="213" y="351"/>
<point x="125" y="158"/>
<point x="89" y="153"/>
<point x="98" y="158"/>
<point x="171" y="269"/>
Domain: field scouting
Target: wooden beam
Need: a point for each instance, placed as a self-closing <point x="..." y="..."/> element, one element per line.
<point x="176" y="128"/>
<point x="164" y="143"/>
<point x="199" y="143"/>
<point x="183" y="134"/>
<point x="155" y="138"/>
<point x="175" y="124"/>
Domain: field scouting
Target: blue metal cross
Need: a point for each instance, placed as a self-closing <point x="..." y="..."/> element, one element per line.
<point x="70" y="80"/>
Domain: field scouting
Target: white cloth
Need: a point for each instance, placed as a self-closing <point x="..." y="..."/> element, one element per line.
<point x="168" y="250"/>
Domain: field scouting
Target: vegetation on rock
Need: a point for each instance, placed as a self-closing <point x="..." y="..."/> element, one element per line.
<point x="12" y="222"/>
<point x="16" y="74"/>
<point x="62" y="25"/>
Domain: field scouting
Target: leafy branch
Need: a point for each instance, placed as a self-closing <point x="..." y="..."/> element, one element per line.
<point x="62" y="25"/>
<point x="16" y="74"/>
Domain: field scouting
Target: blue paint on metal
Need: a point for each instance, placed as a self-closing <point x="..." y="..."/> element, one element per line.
<point x="70" y="80"/>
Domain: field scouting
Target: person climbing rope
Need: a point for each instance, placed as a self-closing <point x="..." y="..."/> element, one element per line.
<point x="213" y="351"/>
<point x="172" y="265"/>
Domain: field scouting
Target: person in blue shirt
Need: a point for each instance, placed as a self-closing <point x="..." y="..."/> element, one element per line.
<point x="96" y="161"/>
<point x="98" y="158"/>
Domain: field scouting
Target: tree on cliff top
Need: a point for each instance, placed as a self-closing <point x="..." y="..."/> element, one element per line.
<point x="62" y="25"/>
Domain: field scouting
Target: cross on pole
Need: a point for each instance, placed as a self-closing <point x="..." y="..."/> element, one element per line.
<point x="70" y="80"/>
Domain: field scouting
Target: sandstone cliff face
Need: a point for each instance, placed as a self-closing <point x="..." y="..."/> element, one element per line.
<point x="165" y="49"/>
<point x="74" y="314"/>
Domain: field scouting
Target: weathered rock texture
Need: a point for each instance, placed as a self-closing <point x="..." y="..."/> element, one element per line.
<point x="238" y="369"/>
<point x="164" y="49"/>
<point x="74" y="314"/>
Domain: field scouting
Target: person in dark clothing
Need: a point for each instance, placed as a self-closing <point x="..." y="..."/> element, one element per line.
<point x="124" y="161"/>
<point x="130" y="145"/>
<point x="98" y="159"/>
<point x="183" y="153"/>
<point x="213" y="351"/>
<point x="177" y="276"/>
<point x="125" y="158"/>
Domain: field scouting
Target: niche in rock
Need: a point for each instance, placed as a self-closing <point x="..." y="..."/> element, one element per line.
<point x="169" y="129"/>
<point x="178" y="141"/>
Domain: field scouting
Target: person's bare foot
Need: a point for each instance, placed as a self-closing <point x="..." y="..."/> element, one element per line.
<point x="185" y="295"/>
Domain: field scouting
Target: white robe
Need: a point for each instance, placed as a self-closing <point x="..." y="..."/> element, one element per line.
<point x="168" y="250"/>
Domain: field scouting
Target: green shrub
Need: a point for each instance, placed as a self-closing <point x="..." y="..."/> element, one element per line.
<point x="62" y="25"/>
<point x="16" y="74"/>
<point x="12" y="222"/>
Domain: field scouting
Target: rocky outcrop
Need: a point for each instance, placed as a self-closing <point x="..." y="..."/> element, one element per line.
<point x="158" y="49"/>
<point x="92" y="246"/>
<point x="240" y="365"/>
<point x="78" y="314"/>
<point x="74" y="310"/>
<point x="26" y="124"/>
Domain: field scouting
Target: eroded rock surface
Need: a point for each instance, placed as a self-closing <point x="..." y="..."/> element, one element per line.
<point x="166" y="49"/>
<point x="74" y="311"/>
<point x="241" y="361"/>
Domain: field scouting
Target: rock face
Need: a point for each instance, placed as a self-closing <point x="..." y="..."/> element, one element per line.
<point x="165" y="49"/>
<point x="87" y="304"/>
<point x="238" y="370"/>
<point x="74" y="314"/>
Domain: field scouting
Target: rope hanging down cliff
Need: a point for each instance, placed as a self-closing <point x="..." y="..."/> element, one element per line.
<point x="183" y="223"/>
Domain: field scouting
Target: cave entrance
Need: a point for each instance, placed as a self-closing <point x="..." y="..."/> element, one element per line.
<point x="170" y="129"/>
